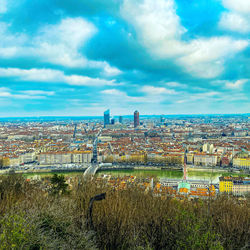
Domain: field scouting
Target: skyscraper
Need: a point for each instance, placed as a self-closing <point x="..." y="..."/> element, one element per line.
<point x="106" y="117"/>
<point x="136" y="119"/>
<point x="120" y="119"/>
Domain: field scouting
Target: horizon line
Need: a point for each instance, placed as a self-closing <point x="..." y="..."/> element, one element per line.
<point x="41" y="116"/>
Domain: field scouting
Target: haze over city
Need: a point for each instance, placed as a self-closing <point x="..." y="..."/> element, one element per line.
<point x="159" y="57"/>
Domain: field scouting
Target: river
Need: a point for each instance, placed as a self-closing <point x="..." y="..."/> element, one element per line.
<point x="212" y="176"/>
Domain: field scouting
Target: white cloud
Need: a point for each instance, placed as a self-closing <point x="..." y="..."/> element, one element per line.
<point x="159" y="30"/>
<point x="10" y="44"/>
<point x="113" y="92"/>
<point x="87" y="81"/>
<point x="20" y="96"/>
<point x="235" y="22"/>
<point x="211" y="97"/>
<point x="111" y="71"/>
<point x="4" y="89"/>
<point x="6" y="93"/>
<point x="3" y="6"/>
<point x="152" y="95"/>
<point x="151" y="90"/>
<point x="206" y="57"/>
<point x="155" y="96"/>
<point x="38" y="92"/>
<point x="39" y="75"/>
<point x="181" y="101"/>
<point x="176" y="84"/>
<point x="50" y="75"/>
<point x="235" y="97"/>
<point x="237" y="84"/>
<point x="241" y="6"/>
<point x="238" y="17"/>
<point x="60" y="43"/>
<point x="123" y="98"/>
<point x="107" y="70"/>
<point x="205" y="96"/>
<point x="157" y="25"/>
<point x="8" y="52"/>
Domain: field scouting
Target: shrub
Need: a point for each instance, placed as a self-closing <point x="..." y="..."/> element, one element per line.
<point x="14" y="231"/>
<point x="126" y="219"/>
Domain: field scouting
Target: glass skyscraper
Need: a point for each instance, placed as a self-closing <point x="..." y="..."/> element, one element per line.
<point x="120" y="119"/>
<point x="106" y="117"/>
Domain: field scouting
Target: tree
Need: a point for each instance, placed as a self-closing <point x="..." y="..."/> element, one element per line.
<point x="59" y="185"/>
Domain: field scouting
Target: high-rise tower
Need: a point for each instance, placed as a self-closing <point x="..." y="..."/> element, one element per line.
<point x="120" y="119"/>
<point x="106" y="118"/>
<point x="136" y="119"/>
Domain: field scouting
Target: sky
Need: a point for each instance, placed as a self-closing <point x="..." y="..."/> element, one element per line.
<point x="79" y="58"/>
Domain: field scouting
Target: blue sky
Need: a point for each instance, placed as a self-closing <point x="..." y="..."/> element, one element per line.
<point x="157" y="56"/>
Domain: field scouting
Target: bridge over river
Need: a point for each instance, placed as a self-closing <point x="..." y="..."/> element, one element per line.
<point x="91" y="170"/>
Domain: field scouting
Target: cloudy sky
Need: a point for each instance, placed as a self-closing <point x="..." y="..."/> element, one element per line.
<point x="62" y="57"/>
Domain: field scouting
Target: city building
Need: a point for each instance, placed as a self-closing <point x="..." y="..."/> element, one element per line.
<point x="226" y="184"/>
<point x="243" y="163"/>
<point x="65" y="157"/>
<point x="207" y="148"/>
<point x="113" y="121"/>
<point x="203" y="159"/>
<point x="106" y="117"/>
<point x="136" y="119"/>
<point x="184" y="187"/>
<point x="241" y="187"/>
<point x="120" y="119"/>
<point x="234" y="185"/>
<point x="36" y="144"/>
<point x="190" y="158"/>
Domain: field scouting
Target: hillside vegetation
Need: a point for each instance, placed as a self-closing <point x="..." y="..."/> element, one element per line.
<point x="34" y="218"/>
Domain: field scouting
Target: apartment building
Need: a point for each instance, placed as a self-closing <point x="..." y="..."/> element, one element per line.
<point x="202" y="159"/>
<point x="65" y="157"/>
<point x="243" y="163"/>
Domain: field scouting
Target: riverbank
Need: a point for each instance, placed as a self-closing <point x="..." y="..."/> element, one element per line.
<point x="42" y="171"/>
<point x="208" y="170"/>
<point x="118" y="167"/>
<point x="209" y="174"/>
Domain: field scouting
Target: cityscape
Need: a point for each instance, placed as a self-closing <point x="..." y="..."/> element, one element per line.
<point x="215" y="144"/>
<point x="124" y="124"/>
